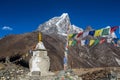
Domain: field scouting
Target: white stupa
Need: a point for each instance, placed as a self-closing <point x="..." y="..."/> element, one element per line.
<point x="39" y="63"/>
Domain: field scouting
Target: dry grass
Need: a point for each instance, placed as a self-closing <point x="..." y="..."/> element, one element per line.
<point x="91" y="70"/>
<point x="2" y="66"/>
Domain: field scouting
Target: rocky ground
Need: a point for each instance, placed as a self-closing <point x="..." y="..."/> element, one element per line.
<point x="10" y="71"/>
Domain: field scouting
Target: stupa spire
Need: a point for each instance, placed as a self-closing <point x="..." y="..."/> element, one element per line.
<point x="39" y="37"/>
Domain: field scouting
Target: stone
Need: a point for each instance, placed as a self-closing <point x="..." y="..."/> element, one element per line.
<point x="67" y="75"/>
<point x="35" y="73"/>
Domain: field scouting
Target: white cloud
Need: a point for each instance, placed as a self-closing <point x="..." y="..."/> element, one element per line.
<point x="7" y="28"/>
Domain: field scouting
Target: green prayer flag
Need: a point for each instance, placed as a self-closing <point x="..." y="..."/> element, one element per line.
<point x="96" y="42"/>
<point x="74" y="42"/>
<point x="105" y="31"/>
<point x="71" y="36"/>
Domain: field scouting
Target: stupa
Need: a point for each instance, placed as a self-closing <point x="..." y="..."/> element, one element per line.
<point x="40" y="63"/>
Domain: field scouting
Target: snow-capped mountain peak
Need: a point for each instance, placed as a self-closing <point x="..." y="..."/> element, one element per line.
<point x="64" y="15"/>
<point x="59" y="25"/>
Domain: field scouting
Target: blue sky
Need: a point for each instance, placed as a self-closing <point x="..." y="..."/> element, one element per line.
<point x="21" y="16"/>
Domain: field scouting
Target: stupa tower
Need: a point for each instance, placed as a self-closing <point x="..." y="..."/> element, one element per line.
<point x="39" y="63"/>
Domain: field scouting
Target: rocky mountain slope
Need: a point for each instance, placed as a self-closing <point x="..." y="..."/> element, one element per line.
<point x="53" y="31"/>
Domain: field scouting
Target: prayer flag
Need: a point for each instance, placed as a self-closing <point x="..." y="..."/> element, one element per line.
<point x="71" y="36"/>
<point x="91" y="42"/>
<point x="102" y="41"/>
<point x="96" y="42"/>
<point x="70" y="42"/>
<point x="85" y="34"/>
<point x="91" y="33"/>
<point x="82" y="42"/>
<point x="65" y="60"/>
<point x="74" y="42"/>
<point x="109" y="40"/>
<point x="98" y="32"/>
<point x="79" y="34"/>
<point x="115" y="40"/>
<point x="86" y="42"/>
<point x="78" y="41"/>
<point x="105" y="31"/>
<point x="113" y="28"/>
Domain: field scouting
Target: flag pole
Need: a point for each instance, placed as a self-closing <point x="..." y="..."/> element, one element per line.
<point x="66" y="50"/>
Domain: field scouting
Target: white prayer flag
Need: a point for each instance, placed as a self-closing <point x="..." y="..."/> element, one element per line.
<point x="82" y="42"/>
<point x="85" y="34"/>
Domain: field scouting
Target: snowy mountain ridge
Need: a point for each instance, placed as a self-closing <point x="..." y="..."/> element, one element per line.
<point x="59" y="25"/>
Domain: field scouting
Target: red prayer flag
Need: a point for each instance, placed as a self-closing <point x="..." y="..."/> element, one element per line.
<point x="113" y="28"/>
<point x="102" y="41"/>
<point x="79" y="34"/>
<point x="78" y="41"/>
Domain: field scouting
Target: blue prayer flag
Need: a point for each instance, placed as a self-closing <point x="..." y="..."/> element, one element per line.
<point x="65" y="60"/>
<point x="86" y="42"/>
<point x="115" y="40"/>
<point x="91" y="33"/>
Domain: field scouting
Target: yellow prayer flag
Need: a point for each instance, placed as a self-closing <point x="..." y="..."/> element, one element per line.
<point x="98" y="33"/>
<point x="91" y="42"/>
<point x="70" y="36"/>
<point x="70" y="43"/>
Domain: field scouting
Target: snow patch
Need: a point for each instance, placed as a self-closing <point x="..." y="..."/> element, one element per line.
<point x="63" y="34"/>
<point x="77" y="29"/>
<point x="64" y="15"/>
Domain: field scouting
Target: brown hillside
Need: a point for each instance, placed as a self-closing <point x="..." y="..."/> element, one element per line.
<point x="101" y="55"/>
